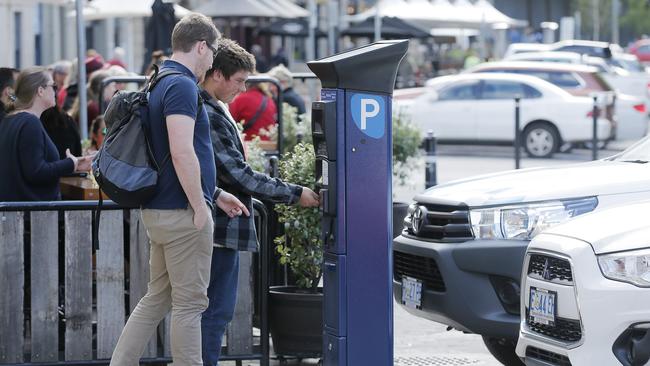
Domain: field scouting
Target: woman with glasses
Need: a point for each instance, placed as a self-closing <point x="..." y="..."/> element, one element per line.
<point x="31" y="166"/>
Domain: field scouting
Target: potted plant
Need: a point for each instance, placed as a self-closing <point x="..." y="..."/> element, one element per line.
<point x="295" y="312"/>
<point x="406" y="149"/>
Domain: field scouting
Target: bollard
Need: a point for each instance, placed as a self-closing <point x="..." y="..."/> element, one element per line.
<point x="274" y="166"/>
<point x="517" y="134"/>
<point x="430" y="174"/>
<point x="594" y="138"/>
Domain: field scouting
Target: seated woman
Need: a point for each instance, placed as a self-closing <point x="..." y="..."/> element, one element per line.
<point x="31" y="166"/>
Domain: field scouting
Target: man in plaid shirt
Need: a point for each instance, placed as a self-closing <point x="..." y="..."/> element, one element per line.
<point x="227" y="78"/>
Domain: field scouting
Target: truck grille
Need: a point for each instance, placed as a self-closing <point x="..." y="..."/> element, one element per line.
<point x="444" y="223"/>
<point x="564" y="330"/>
<point x="551" y="269"/>
<point x="548" y="357"/>
<point x="422" y="268"/>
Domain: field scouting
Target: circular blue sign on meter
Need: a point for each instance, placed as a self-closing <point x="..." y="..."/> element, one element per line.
<point x="369" y="114"/>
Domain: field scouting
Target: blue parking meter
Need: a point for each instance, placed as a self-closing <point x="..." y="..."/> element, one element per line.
<point x="351" y="127"/>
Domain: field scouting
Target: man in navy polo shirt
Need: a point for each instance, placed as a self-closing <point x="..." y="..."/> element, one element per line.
<point x="178" y="219"/>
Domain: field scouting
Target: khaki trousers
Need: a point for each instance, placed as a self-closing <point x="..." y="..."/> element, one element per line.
<point x="179" y="263"/>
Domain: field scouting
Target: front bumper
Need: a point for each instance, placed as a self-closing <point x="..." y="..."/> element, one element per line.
<point x="605" y="308"/>
<point x="472" y="272"/>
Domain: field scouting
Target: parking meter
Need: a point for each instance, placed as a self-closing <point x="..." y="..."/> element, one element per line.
<point x="351" y="127"/>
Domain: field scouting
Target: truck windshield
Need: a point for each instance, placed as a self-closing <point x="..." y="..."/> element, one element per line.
<point x="637" y="153"/>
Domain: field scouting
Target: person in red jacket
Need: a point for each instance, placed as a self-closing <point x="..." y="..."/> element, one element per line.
<point x="256" y="109"/>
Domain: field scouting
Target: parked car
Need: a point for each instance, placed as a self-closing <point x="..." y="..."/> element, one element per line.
<point x="459" y="259"/>
<point x="628" y="62"/>
<point x="564" y="57"/>
<point x="632" y="103"/>
<point x="480" y="108"/>
<point x="517" y="48"/>
<point x="590" y="48"/>
<point x="579" y="80"/>
<point x="641" y="49"/>
<point x="586" y="290"/>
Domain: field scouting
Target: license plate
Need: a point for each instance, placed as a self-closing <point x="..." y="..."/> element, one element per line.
<point x="412" y="292"/>
<point x="542" y="306"/>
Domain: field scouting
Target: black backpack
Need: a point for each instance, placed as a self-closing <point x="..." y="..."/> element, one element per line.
<point x="125" y="167"/>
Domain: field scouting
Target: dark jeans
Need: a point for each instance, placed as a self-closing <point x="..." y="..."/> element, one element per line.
<point x="222" y="293"/>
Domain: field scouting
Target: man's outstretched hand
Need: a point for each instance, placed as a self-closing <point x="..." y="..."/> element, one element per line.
<point x="308" y="198"/>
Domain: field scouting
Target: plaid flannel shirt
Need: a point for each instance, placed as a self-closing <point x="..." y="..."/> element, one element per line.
<point x="235" y="176"/>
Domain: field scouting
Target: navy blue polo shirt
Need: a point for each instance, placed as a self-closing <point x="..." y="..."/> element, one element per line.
<point x="178" y="94"/>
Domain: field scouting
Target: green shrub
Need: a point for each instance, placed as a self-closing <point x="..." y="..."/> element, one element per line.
<point x="300" y="248"/>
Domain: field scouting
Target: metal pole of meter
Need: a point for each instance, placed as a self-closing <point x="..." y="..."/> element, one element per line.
<point x="81" y="57"/>
<point x="517" y="134"/>
<point x="594" y="138"/>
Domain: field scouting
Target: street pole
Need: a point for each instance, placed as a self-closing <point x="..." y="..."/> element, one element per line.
<point x="616" y="5"/>
<point x="517" y="134"/>
<point x="333" y="25"/>
<point x="81" y="57"/>
<point x="595" y="13"/>
<point x="378" y="21"/>
<point x="313" y="23"/>
<point x="430" y="172"/>
<point x="594" y="137"/>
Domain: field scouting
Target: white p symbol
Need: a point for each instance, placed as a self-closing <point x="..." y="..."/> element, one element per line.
<point x="365" y="113"/>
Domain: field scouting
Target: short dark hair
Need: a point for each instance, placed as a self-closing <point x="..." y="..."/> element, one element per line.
<point x="7" y="78"/>
<point x="231" y="58"/>
<point x="193" y="28"/>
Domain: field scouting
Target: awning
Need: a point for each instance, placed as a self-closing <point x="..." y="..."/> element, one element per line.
<point x="291" y="28"/>
<point x="236" y="9"/>
<point x="105" y="9"/>
<point x="440" y="13"/>
<point x="286" y="8"/>
<point x="391" y="28"/>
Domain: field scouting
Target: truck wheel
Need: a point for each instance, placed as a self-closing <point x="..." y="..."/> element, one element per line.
<point x="541" y="140"/>
<point x="503" y="350"/>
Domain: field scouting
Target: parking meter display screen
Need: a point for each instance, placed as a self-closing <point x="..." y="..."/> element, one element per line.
<point x="317" y="115"/>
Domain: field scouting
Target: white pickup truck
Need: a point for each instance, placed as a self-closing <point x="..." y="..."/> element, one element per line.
<point x="459" y="258"/>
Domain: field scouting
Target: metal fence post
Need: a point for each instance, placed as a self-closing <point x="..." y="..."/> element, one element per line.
<point x="431" y="178"/>
<point x="517" y="134"/>
<point x="274" y="166"/>
<point x="594" y="138"/>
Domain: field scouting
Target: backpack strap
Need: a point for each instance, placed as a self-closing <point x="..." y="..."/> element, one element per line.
<point x="155" y="79"/>
<point x="258" y="113"/>
<point x="95" y="227"/>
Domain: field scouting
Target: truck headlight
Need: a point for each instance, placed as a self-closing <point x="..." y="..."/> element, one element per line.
<point x="631" y="267"/>
<point x="523" y="222"/>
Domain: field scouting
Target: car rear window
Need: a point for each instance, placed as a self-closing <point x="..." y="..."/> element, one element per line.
<point x="587" y="50"/>
<point x="602" y="84"/>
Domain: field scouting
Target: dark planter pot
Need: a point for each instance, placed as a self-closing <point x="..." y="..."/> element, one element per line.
<point x="296" y="321"/>
<point x="400" y="209"/>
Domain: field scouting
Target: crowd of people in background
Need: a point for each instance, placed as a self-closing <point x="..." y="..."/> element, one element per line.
<point x="255" y="109"/>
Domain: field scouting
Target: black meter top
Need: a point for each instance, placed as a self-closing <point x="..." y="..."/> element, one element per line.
<point x="368" y="68"/>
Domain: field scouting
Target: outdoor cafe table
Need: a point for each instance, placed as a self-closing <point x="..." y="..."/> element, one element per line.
<point x="79" y="188"/>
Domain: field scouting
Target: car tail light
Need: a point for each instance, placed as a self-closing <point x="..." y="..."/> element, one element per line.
<point x="640" y="108"/>
<point x="590" y="114"/>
